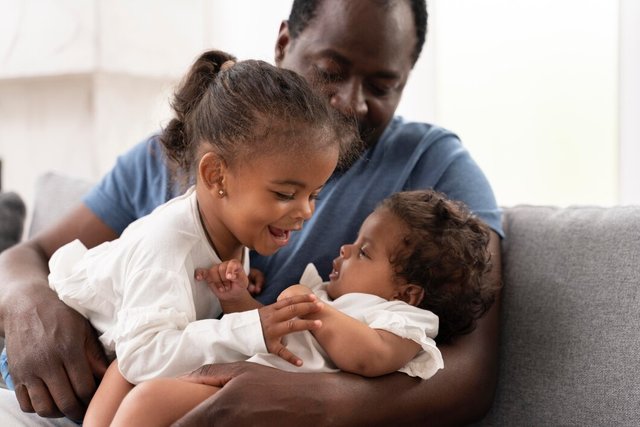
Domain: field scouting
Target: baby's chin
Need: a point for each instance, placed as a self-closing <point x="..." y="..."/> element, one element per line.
<point x="331" y="290"/>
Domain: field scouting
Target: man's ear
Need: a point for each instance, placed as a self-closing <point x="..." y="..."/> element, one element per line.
<point x="410" y="293"/>
<point x="282" y="42"/>
<point x="211" y="170"/>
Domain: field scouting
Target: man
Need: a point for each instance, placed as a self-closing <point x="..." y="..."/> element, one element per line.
<point x="360" y="53"/>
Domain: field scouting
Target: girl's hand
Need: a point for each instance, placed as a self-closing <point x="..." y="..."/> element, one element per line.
<point x="284" y="317"/>
<point x="227" y="280"/>
<point x="294" y="290"/>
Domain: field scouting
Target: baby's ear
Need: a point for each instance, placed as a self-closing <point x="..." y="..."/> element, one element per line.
<point x="211" y="170"/>
<point x="410" y="293"/>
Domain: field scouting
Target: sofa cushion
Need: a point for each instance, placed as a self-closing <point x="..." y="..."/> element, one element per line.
<point x="55" y="195"/>
<point x="12" y="214"/>
<point x="570" y="342"/>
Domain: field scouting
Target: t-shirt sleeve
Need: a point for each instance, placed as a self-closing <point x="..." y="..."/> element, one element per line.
<point x="460" y="178"/>
<point x="137" y="184"/>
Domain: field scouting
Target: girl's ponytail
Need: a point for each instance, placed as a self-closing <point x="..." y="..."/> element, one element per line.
<point x="178" y="138"/>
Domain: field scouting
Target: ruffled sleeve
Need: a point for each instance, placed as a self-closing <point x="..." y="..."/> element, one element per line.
<point x="403" y="320"/>
<point x="157" y="334"/>
<point x="415" y="324"/>
<point x="311" y="278"/>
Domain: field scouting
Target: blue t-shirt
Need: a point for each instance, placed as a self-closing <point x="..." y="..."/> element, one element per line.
<point x="408" y="156"/>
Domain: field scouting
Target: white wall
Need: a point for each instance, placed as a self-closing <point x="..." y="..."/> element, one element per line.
<point x="629" y="102"/>
<point x="531" y="88"/>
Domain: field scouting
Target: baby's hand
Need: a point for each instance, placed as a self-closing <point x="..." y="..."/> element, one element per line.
<point x="294" y="290"/>
<point x="227" y="280"/>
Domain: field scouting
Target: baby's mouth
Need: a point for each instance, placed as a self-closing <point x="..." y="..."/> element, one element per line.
<point x="335" y="273"/>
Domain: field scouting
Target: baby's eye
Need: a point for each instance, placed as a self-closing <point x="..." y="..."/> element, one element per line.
<point x="362" y="253"/>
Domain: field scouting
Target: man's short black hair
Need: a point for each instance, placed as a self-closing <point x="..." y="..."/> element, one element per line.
<point x="303" y="11"/>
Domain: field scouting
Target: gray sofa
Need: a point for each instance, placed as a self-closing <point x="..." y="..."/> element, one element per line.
<point x="570" y="338"/>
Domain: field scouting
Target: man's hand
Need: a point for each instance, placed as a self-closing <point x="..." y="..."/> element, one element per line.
<point x="54" y="357"/>
<point x="253" y="394"/>
<point x="282" y="318"/>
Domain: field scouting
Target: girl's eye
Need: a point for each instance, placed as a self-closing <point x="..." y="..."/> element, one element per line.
<point x="284" y="196"/>
<point x="314" y="196"/>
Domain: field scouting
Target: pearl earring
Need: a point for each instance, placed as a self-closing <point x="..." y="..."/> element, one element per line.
<point x="221" y="193"/>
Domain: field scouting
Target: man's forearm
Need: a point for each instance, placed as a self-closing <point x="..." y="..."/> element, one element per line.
<point x="22" y="268"/>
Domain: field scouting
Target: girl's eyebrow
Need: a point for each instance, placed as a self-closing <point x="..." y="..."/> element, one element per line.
<point x="294" y="183"/>
<point x="289" y="182"/>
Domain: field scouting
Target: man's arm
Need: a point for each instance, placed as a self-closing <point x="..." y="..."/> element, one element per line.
<point x="459" y="394"/>
<point x="53" y="352"/>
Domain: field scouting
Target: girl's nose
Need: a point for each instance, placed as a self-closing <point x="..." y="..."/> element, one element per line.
<point x="303" y="209"/>
<point x="307" y="209"/>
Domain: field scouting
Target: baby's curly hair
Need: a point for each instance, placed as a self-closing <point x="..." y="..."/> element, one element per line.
<point x="445" y="252"/>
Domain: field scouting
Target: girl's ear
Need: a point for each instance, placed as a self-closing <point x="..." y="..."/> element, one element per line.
<point x="211" y="170"/>
<point x="410" y="293"/>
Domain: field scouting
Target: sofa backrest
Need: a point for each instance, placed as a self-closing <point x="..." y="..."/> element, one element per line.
<point x="570" y="340"/>
<point x="55" y="195"/>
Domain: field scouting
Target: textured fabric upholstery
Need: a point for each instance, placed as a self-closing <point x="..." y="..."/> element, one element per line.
<point x="55" y="195"/>
<point x="570" y="341"/>
<point x="12" y="215"/>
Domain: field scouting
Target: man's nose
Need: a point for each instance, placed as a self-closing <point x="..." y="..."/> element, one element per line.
<point x="350" y="100"/>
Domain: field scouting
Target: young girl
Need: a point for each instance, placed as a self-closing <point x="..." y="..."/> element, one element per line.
<point x="419" y="260"/>
<point x="259" y="145"/>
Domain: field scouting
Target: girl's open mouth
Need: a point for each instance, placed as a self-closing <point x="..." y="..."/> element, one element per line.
<point x="280" y="235"/>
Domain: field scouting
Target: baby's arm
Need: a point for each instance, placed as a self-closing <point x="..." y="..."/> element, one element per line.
<point x="229" y="283"/>
<point x="355" y="347"/>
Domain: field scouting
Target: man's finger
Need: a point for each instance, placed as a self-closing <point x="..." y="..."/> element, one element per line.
<point x="23" y="398"/>
<point x="42" y="401"/>
<point x="84" y="370"/>
<point x="210" y="375"/>
<point x="65" y="399"/>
